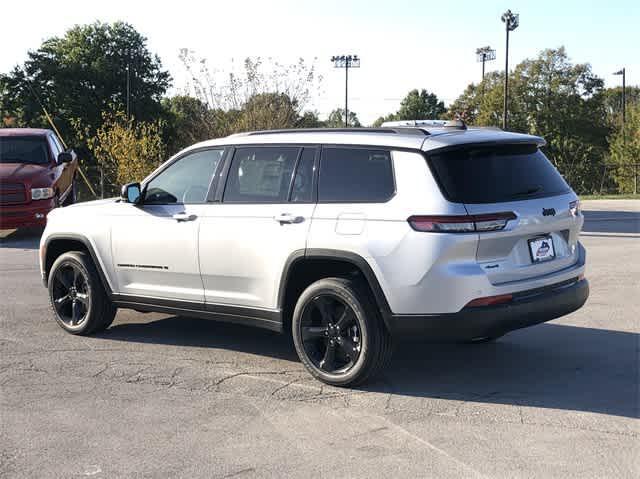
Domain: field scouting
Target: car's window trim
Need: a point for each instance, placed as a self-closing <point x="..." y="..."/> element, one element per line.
<point x="173" y="162"/>
<point x="359" y="147"/>
<point x="250" y="202"/>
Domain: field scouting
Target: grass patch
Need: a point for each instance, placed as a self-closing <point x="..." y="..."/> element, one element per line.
<point x="610" y="197"/>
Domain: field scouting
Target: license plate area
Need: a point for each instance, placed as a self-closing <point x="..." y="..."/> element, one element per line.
<point x="541" y="249"/>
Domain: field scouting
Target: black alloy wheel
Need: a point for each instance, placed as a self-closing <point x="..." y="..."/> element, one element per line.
<point x="71" y="294"/>
<point x="331" y="334"/>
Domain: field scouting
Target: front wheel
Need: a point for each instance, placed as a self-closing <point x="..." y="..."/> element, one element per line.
<point x="338" y="332"/>
<point x="78" y="300"/>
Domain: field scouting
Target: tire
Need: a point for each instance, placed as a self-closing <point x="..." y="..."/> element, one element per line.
<point x="71" y="197"/>
<point x="78" y="300"/>
<point x="338" y="332"/>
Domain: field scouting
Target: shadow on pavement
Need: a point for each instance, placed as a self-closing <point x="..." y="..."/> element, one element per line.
<point x="611" y="222"/>
<point x="27" y="238"/>
<point x="547" y="366"/>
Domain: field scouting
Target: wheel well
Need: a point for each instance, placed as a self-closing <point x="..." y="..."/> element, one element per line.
<point x="57" y="247"/>
<point x="306" y="271"/>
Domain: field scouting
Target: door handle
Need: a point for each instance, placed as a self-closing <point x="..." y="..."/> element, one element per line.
<point x="288" y="218"/>
<point x="183" y="217"/>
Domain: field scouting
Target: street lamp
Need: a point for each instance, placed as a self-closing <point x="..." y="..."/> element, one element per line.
<point x="346" y="62"/>
<point x="623" y="72"/>
<point x="485" y="54"/>
<point x="511" y="21"/>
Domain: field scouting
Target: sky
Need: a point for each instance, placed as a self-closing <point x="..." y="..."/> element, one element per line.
<point x="403" y="44"/>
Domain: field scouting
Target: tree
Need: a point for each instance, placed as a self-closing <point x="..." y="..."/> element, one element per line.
<point x="81" y="74"/>
<point x="267" y="111"/>
<point x="125" y="150"/>
<point x="624" y="151"/>
<point x="336" y="119"/>
<point x="417" y="105"/>
<point x="550" y="97"/>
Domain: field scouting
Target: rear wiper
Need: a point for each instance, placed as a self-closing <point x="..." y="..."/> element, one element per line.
<point x="528" y="192"/>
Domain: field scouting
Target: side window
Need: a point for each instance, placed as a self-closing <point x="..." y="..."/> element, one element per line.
<point x="57" y="143"/>
<point x="302" y="189"/>
<point x="260" y="175"/>
<point x="185" y="181"/>
<point x="54" y="146"/>
<point x="355" y="175"/>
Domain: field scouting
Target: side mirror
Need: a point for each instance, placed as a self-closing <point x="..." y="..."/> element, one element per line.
<point x="131" y="193"/>
<point x="65" y="157"/>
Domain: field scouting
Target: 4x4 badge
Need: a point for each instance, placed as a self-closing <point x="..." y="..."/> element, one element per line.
<point x="548" y="212"/>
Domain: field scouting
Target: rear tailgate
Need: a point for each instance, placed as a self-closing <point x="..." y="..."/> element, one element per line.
<point x="491" y="179"/>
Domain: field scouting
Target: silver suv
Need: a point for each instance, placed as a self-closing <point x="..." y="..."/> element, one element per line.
<point x="345" y="238"/>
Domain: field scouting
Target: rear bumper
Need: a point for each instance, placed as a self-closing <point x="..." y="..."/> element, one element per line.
<point x="528" y="308"/>
<point x="23" y="216"/>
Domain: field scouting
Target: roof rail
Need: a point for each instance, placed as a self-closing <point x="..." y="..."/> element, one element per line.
<point x="456" y="124"/>
<point x="401" y="130"/>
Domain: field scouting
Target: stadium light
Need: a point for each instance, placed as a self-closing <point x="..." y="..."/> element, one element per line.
<point x="511" y="22"/>
<point x="346" y="62"/>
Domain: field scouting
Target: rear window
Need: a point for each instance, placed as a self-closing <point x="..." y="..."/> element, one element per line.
<point x="24" y="149"/>
<point x="355" y="175"/>
<point x="496" y="174"/>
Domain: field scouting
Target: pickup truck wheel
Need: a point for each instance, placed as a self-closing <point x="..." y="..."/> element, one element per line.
<point x="79" y="302"/>
<point x="338" y="332"/>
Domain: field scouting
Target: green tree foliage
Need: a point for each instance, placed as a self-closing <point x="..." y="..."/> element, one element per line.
<point x="625" y="151"/>
<point x="79" y="75"/>
<point x="336" y="119"/>
<point x="125" y="150"/>
<point x="417" y="105"/>
<point x="551" y="97"/>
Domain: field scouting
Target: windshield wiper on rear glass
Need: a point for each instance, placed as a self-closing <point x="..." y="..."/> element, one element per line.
<point x="528" y="192"/>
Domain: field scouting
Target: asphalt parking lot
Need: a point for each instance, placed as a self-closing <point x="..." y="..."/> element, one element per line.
<point x="159" y="396"/>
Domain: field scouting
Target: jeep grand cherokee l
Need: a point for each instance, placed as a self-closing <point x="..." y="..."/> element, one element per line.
<point x="347" y="238"/>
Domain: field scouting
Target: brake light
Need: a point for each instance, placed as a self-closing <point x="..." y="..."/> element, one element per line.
<point x="461" y="223"/>
<point x="490" y="300"/>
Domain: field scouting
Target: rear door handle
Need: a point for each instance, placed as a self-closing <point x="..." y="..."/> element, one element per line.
<point x="184" y="217"/>
<point x="288" y="218"/>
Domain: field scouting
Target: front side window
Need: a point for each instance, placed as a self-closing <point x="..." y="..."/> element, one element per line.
<point x="302" y="188"/>
<point x="260" y="175"/>
<point x="185" y="181"/>
<point x="355" y="175"/>
<point x="24" y="149"/>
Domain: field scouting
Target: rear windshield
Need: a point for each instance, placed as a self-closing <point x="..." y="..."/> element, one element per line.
<point x="496" y="174"/>
<point x="23" y="149"/>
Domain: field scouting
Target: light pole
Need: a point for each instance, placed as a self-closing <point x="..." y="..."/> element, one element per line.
<point x="511" y="21"/>
<point x="346" y="62"/>
<point x="485" y="54"/>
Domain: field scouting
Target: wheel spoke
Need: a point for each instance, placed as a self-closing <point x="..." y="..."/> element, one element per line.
<point x="61" y="277"/>
<point x="345" y="319"/>
<point x="75" y="276"/>
<point x="75" y="313"/>
<point x="329" y="357"/>
<point x="62" y="300"/>
<point x="323" y="306"/>
<point x="311" y="332"/>
<point x="350" y="349"/>
<point x="83" y="298"/>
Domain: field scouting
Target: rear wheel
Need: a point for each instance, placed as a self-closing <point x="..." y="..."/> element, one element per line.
<point x="338" y="332"/>
<point x="79" y="302"/>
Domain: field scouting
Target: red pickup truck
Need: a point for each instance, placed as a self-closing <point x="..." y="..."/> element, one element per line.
<point x="36" y="175"/>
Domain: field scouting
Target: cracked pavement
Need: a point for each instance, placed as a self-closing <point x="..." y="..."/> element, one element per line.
<point x="160" y="396"/>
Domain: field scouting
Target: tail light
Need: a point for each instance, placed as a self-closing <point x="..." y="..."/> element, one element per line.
<point x="461" y="223"/>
